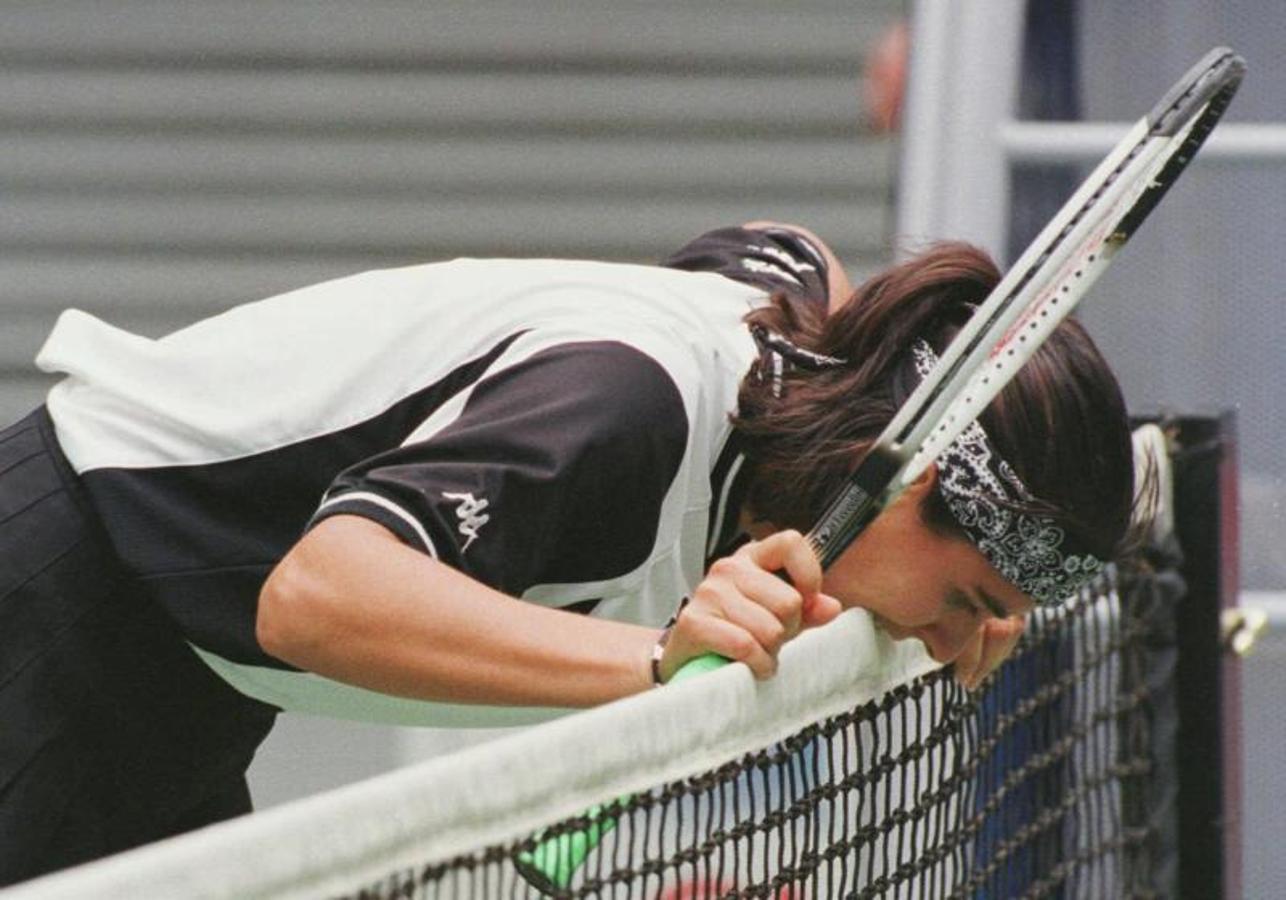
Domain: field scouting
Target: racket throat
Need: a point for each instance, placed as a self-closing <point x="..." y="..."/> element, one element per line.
<point x="865" y="494"/>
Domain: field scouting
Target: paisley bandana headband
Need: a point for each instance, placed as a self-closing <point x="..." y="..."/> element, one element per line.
<point x="981" y="490"/>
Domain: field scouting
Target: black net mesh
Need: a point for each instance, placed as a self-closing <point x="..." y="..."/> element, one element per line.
<point x="1042" y="784"/>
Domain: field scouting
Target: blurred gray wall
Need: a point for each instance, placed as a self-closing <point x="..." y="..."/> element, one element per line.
<point x="1193" y="318"/>
<point x="161" y="160"/>
<point x="1194" y="315"/>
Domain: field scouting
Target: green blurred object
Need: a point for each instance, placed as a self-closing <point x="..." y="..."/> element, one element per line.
<point x="549" y="867"/>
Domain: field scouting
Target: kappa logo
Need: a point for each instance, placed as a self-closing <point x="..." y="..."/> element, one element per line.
<point x="471" y="516"/>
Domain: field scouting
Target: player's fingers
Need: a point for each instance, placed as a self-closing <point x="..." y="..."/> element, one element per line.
<point x="710" y="634"/>
<point x="967" y="663"/>
<point x="820" y="609"/>
<point x="1000" y="636"/>
<point x="720" y="619"/>
<point x="750" y="598"/>
<point x="790" y="553"/>
<point x="762" y="623"/>
<point x="779" y="598"/>
<point x="992" y="645"/>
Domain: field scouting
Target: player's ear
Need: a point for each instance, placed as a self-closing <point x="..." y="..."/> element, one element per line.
<point x="754" y="525"/>
<point x="924" y="483"/>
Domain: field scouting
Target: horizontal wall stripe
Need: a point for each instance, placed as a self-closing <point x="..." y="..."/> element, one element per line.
<point x="580" y="33"/>
<point x="173" y="158"/>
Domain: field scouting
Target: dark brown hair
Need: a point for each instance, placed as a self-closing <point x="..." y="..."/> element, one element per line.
<point x="1061" y="423"/>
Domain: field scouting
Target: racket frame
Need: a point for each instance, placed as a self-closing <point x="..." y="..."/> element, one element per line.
<point x="1036" y="294"/>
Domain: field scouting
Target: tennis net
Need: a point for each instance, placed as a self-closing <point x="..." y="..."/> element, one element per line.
<point x="861" y="770"/>
<point x="1036" y="787"/>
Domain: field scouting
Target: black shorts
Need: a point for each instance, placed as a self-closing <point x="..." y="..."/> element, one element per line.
<point x="112" y="732"/>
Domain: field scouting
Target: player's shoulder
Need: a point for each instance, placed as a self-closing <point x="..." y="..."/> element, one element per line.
<point x="612" y="328"/>
<point x="617" y="384"/>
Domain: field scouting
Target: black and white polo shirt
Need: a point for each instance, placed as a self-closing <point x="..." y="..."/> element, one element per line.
<point x="552" y="428"/>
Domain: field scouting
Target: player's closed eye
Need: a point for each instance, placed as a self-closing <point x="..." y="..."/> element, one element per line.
<point x="958" y="599"/>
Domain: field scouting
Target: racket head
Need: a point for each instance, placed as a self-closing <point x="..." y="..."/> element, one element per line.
<point x="1035" y="295"/>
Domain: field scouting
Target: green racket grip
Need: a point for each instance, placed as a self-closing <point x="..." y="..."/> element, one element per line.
<point x="551" y="864"/>
<point x="697" y="665"/>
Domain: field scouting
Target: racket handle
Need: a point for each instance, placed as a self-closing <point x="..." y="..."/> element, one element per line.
<point x="550" y="865"/>
<point x="697" y="665"/>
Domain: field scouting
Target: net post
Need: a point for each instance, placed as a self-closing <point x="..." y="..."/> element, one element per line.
<point x="1230" y="664"/>
<point x="1208" y="680"/>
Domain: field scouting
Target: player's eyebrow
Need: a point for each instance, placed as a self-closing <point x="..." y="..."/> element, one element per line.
<point x="994" y="606"/>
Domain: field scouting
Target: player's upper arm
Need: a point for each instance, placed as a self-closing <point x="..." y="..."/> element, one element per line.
<point x="553" y="471"/>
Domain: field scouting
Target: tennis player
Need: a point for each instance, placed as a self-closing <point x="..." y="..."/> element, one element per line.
<point x="456" y="493"/>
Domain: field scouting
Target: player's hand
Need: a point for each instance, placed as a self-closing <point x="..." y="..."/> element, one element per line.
<point x="744" y="611"/>
<point x="987" y="649"/>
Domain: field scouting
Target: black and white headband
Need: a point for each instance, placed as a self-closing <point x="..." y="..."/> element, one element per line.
<point x="982" y="491"/>
<point x="985" y="497"/>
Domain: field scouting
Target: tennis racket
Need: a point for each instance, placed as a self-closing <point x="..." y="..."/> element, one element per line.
<point x="1037" y="293"/>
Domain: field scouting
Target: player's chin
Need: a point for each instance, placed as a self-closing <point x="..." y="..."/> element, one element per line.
<point x="893" y="630"/>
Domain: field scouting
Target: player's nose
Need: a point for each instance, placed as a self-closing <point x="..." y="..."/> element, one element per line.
<point x="946" y="639"/>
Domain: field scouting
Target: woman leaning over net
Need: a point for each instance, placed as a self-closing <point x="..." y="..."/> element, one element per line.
<point x="457" y="493"/>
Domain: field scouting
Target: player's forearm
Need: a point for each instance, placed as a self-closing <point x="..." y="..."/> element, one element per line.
<point x="352" y="603"/>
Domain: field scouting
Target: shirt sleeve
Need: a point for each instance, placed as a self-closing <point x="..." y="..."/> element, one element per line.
<point x="771" y="259"/>
<point x="554" y="471"/>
